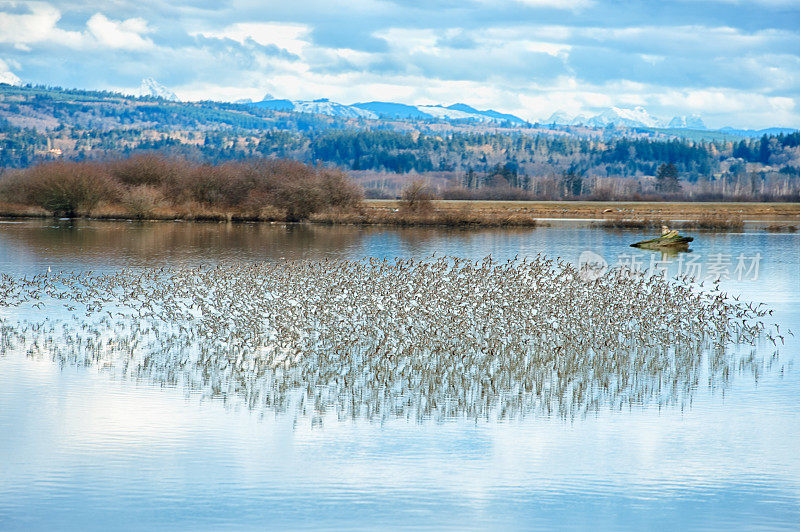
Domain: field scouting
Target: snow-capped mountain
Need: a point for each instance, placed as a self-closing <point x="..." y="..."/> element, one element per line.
<point x="461" y="111"/>
<point x="687" y="122"/>
<point x="389" y="110"/>
<point x="393" y="110"/>
<point x="560" y="118"/>
<point x="322" y="106"/>
<point x="491" y="114"/>
<point x="622" y="117"/>
<point x="636" y="117"/>
<point x="440" y="111"/>
<point x="151" y="87"/>
<point x="617" y="116"/>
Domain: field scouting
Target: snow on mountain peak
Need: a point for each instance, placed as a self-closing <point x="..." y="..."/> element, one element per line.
<point x="151" y="87"/>
<point x="323" y="106"/>
<point x="624" y="117"/>
<point x="559" y="117"/>
<point x="619" y="116"/>
<point x="687" y="122"/>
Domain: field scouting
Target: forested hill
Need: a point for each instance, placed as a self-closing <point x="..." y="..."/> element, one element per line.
<point x="39" y="123"/>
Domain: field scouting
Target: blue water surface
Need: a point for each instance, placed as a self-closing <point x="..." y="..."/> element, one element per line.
<point x="84" y="450"/>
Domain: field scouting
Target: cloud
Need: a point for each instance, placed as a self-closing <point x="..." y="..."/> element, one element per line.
<point x="290" y="37"/>
<point x="558" y="4"/>
<point x="36" y="24"/>
<point x="124" y="34"/>
<point x="771" y="3"/>
<point x="528" y="57"/>
<point x="457" y="39"/>
<point x="39" y="25"/>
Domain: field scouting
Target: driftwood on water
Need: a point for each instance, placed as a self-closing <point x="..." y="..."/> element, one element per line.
<point x="668" y="239"/>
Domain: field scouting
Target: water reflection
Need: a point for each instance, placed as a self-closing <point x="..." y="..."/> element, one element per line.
<point x="150" y="241"/>
<point x="32" y="246"/>
<point x="440" y="338"/>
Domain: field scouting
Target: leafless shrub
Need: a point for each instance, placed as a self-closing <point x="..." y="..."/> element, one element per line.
<point x="145" y="183"/>
<point x="13" y="187"/>
<point x="142" y="201"/>
<point x="338" y="191"/>
<point x="68" y="188"/>
<point x="298" y="201"/>
<point x="417" y="197"/>
<point x="147" y="169"/>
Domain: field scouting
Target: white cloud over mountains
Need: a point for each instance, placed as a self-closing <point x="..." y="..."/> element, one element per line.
<point x="735" y="63"/>
<point x="40" y="26"/>
<point x="125" y="34"/>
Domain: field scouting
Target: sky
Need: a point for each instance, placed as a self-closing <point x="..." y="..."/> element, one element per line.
<point x="733" y="62"/>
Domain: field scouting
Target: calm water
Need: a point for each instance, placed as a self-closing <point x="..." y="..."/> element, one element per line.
<point x="84" y="450"/>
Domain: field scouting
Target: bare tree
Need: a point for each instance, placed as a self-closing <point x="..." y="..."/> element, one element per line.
<point x="417" y="197"/>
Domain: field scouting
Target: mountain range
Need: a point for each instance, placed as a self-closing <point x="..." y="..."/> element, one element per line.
<point x="389" y="110"/>
<point x="621" y="117"/>
<point x="40" y="123"/>
<point x="618" y="117"/>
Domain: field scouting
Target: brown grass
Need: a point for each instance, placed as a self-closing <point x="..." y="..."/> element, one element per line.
<point x="18" y="210"/>
<point x="782" y="228"/>
<point x="447" y="218"/>
<point x="715" y="223"/>
<point x="615" y="210"/>
<point x="631" y="224"/>
<point x="707" y="223"/>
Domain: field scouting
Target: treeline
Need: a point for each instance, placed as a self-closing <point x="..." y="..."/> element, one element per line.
<point x="401" y="152"/>
<point x="102" y="110"/>
<point x="47" y="124"/>
<point x="666" y="185"/>
<point x="19" y="145"/>
<point x="148" y="186"/>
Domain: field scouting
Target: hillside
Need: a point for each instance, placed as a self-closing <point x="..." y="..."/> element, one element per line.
<point x="41" y="123"/>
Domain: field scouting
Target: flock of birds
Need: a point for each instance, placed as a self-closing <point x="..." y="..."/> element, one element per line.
<point x="436" y="338"/>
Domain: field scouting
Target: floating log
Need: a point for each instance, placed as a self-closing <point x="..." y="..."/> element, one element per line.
<point x="669" y="239"/>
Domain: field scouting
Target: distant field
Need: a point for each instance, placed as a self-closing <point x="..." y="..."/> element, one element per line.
<point x="620" y="209"/>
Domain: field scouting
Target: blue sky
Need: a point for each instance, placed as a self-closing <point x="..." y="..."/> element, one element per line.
<point x="734" y="62"/>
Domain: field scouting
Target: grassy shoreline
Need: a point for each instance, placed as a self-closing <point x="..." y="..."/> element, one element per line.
<point x="619" y="210"/>
<point x="467" y="213"/>
<point x="153" y="187"/>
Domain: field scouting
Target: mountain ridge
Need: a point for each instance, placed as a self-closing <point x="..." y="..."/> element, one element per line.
<point x="625" y="117"/>
<point x="390" y="110"/>
<point x="617" y="117"/>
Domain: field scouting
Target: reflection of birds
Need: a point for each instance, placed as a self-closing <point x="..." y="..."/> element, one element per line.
<point x="438" y="337"/>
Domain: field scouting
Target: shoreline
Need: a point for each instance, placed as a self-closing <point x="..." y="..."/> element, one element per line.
<point x="483" y="213"/>
<point x="621" y="210"/>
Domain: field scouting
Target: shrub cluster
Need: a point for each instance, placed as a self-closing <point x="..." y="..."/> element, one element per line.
<point x="147" y="183"/>
<point x="417" y="197"/>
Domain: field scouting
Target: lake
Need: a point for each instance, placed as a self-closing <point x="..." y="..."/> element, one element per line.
<point x="87" y="449"/>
